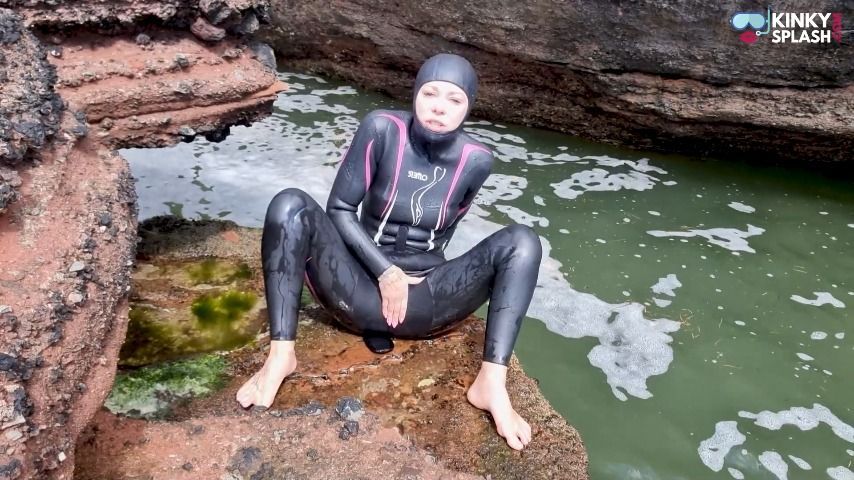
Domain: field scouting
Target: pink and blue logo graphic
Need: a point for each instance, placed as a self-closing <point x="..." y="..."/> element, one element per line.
<point x="788" y="27"/>
<point x="756" y="21"/>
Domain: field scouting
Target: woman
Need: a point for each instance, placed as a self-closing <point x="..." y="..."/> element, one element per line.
<point x="385" y="275"/>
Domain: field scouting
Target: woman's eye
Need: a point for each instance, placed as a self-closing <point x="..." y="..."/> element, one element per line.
<point x="456" y="101"/>
<point x="428" y="94"/>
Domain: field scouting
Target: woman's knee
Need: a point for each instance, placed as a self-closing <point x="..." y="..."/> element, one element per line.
<point x="286" y="204"/>
<point x="524" y="242"/>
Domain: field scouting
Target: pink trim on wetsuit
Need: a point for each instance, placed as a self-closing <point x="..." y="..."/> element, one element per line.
<point x="464" y="156"/>
<point x="308" y="282"/>
<point x="368" y="166"/>
<point x="401" y="143"/>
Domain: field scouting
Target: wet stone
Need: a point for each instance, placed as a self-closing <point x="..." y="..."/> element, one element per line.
<point x="349" y="408"/>
<point x="143" y="39"/>
<point x="246" y="459"/>
<point x="187" y="466"/>
<point x="349" y="429"/>
<point x="312" y="454"/>
<point x="311" y="409"/>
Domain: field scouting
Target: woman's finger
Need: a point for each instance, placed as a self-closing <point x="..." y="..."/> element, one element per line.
<point x="403" y="304"/>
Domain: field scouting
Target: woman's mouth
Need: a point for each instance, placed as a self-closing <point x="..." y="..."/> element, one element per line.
<point x="434" y="124"/>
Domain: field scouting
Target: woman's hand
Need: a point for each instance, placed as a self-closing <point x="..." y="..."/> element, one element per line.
<point x="394" y="290"/>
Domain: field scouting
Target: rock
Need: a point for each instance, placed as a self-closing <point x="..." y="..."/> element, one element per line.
<point x="349" y="408"/>
<point x="105" y="219"/>
<point x="76" y="266"/>
<point x="55" y="51"/>
<point x="184" y="88"/>
<point x="232" y="53"/>
<point x="312" y="454"/>
<point x="182" y="61"/>
<point x="248" y="25"/>
<point x="61" y="456"/>
<point x="13" y="435"/>
<point x="207" y="32"/>
<point x="348" y="430"/>
<point x="75" y="298"/>
<point x="311" y="409"/>
<point x="264" y="53"/>
<point x="186" y="131"/>
<point x="187" y="466"/>
<point x="143" y="39"/>
<point x="5" y="309"/>
<point x="215" y="10"/>
<point x="426" y="382"/>
<point x="246" y="460"/>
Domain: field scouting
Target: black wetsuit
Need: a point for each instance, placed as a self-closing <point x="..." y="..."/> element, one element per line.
<point x="414" y="187"/>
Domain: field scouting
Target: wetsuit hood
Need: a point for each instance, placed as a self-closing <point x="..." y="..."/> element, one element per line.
<point x="449" y="68"/>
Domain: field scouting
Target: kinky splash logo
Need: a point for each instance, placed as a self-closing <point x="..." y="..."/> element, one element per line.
<point x="785" y="27"/>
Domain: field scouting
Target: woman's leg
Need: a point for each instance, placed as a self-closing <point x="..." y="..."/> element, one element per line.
<point x="299" y="241"/>
<point x="502" y="268"/>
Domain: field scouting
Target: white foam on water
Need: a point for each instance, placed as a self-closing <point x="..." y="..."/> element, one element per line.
<point x="499" y="187"/>
<point x="740" y="323"/>
<point x="804" y="357"/>
<point x="840" y="473"/>
<point x="800" y="462"/>
<point x="520" y="216"/>
<point x="342" y="90"/>
<point x="735" y="473"/>
<point x="840" y="335"/>
<point x="600" y="180"/>
<point x="851" y="225"/>
<point x="631" y="347"/>
<point x="775" y="464"/>
<point x="661" y="302"/>
<point x="714" y="449"/>
<point x="563" y="230"/>
<point x="822" y="298"/>
<point x="539" y="201"/>
<point x="850" y="452"/>
<point x="667" y="285"/>
<point x="741" y="207"/>
<point x="731" y="239"/>
<point x="803" y="418"/>
<point x="818" y="335"/>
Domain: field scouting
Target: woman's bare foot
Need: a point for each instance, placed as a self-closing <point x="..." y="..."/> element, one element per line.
<point x="261" y="389"/>
<point x="488" y="392"/>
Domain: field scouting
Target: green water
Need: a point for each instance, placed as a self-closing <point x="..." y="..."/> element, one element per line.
<point x="692" y="319"/>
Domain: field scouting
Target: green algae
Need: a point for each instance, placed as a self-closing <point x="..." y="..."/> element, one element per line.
<point x="149" y="392"/>
<point x="148" y="339"/>
<point x="213" y="272"/>
<point x="221" y="311"/>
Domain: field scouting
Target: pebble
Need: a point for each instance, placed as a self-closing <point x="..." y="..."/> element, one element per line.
<point x="349" y="429"/>
<point x="13" y="435"/>
<point x="349" y="408"/>
<point x="75" y="298"/>
<point x="61" y="456"/>
<point x="426" y="382"/>
<point x="76" y="266"/>
<point x="5" y="309"/>
<point x="143" y="39"/>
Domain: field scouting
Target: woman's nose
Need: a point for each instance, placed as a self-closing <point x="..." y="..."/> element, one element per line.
<point x="437" y="108"/>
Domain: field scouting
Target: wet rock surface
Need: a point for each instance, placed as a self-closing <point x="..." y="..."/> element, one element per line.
<point x="345" y="412"/>
<point x="653" y="75"/>
<point x="30" y="110"/>
<point x="67" y="200"/>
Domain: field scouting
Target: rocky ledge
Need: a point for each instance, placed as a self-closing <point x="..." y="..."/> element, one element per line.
<point x="67" y="200"/>
<point x="345" y="412"/>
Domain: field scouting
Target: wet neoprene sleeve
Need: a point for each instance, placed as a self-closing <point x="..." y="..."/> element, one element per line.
<point x="348" y="191"/>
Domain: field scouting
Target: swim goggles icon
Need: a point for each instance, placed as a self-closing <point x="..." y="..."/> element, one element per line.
<point x="755" y="20"/>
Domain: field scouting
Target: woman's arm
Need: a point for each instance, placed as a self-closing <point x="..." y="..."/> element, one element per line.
<point x="481" y="172"/>
<point x="351" y="186"/>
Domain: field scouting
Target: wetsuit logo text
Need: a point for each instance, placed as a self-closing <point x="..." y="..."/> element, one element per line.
<point x="417" y="175"/>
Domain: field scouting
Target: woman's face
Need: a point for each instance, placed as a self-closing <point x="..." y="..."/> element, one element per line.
<point x="441" y="106"/>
